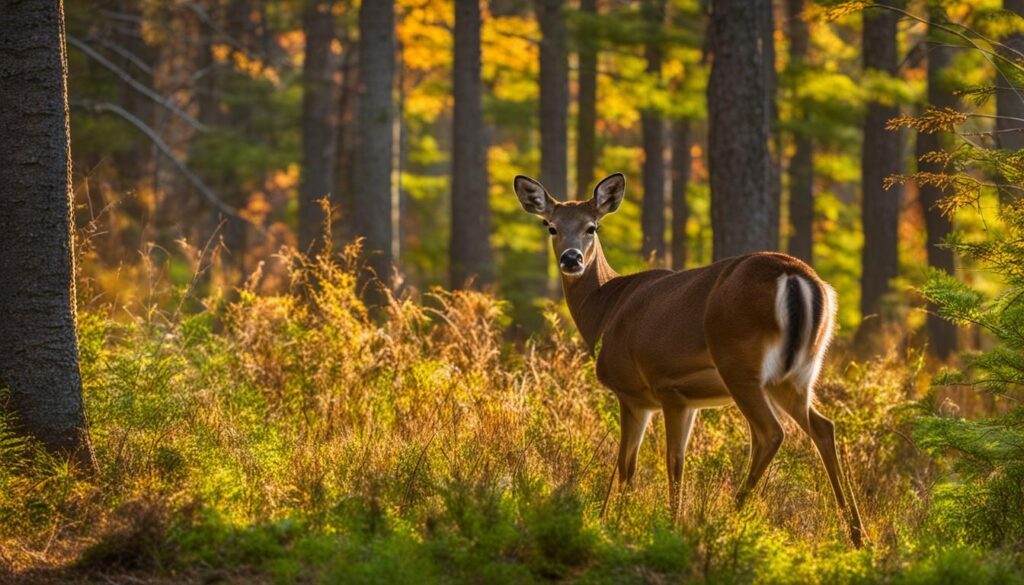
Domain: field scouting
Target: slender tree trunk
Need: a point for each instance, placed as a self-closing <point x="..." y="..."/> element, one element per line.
<point x="775" y="147"/>
<point x="801" y="165"/>
<point x="373" y="155"/>
<point x="941" y="333"/>
<point x="135" y="167"/>
<point x="652" y="219"/>
<point x="681" y="163"/>
<point x="880" y="157"/>
<point x="744" y="212"/>
<point x="319" y="136"/>
<point x="470" y="249"/>
<point x="38" y="344"/>
<point x="586" y="119"/>
<point x="554" y="118"/>
<point x="1010" y="100"/>
<point x="345" y="147"/>
<point x="554" y="97"/>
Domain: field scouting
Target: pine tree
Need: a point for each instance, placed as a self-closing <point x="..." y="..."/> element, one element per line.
<point x="470" y="249"/>
<point x="38" y="341"/>
<point x="744" y="211"/>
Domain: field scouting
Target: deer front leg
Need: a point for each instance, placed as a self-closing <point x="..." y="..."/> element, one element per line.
<point x="633" y="424"/>
<point x="678" y="426"/>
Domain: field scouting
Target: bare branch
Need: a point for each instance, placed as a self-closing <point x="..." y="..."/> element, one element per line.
<point x="164" y="149"/>
<point x="135" y="84"/>
<point x="123" y="52"/>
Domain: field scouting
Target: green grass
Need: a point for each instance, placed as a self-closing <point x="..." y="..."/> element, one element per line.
<point x="292" y="439"/>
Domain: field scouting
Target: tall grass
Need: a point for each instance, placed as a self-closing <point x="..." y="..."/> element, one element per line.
<point x="292" y="438"/>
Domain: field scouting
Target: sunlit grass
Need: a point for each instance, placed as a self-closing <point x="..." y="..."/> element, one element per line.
<point x="295" y="438"/>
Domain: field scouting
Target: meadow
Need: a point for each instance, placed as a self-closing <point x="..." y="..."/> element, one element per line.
<point x="298" y="438"/>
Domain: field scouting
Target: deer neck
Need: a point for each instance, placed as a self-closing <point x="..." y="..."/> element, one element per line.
<point x="586" y="305"/>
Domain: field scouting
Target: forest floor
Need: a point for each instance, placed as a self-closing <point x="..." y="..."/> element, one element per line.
<point x="293" y="439"/>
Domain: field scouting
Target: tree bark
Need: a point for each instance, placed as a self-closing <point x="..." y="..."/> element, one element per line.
<point x="880" y="157"/>
<point x="319" y="136"/>
<point x="652" y="218"/>
<point x="1010" y="100"/>
<point x="775" y="146"/>
<point x="586" y="119"/>
<point x="744" y="212"/>
<point x="942" y="334"/>
<point x="681" y="163"/>
<point x="38" y="343"/>
<point x="801" y="165"/>
<point x="554" y="116"/>
<point x="554" y="97"/>
<point x="373" y="155"/>
<point x="469" y="253"/>
<point x="346" y="142"/>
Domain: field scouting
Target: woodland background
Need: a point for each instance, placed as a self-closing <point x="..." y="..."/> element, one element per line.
<point x="259" y="105"/>
<point x="309" y="335"/>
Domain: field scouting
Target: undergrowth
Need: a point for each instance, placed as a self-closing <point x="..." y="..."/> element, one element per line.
<point x="295" y="438"/>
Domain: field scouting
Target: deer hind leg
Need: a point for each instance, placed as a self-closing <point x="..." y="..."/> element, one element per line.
<point x="766" y="432"/>
<point x="678" y="426"/>
<point x="633" y="425"/>
<point x="822" y="433"/>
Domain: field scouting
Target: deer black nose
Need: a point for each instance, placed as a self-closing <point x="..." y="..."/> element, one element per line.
<point x="571" y="261"/>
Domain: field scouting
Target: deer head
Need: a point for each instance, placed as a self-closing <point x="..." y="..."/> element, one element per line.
<point x="573" y="225"/>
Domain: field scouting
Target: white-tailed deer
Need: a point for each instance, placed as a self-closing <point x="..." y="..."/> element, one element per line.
<point x="751" y="329"/>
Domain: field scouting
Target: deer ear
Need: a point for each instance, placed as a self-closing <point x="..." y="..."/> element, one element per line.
<point x="534" y="197"/>
<point x="609" y="193"/>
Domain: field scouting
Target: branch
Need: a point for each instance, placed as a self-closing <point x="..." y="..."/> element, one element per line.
<point x="131" y="81"/>
<point x="987" y="54"/>
<point x="123" y="52"/>
<point x="166" y="151"/>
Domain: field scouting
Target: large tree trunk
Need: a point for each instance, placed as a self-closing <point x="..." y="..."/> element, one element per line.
<point x="586" y="118"/>
<point x="880" y="157"/>
<point x="470" y="249"/>
<point x="941" y="333"/>
<point x="652" y="218"/>
<point x="318" y="134"/>
<point x="744" y="213"/>
<point x="681" y="163"/>
<point x="373" y="155"/>
<point x="38" y="344"/>
<point x="1009" y="103"/>
<point x="801" y="165"/>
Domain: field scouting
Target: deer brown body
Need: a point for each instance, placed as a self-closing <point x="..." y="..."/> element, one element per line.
<point x="751" y="330"/>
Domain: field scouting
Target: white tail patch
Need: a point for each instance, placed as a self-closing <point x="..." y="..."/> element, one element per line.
<point x="775" y="357"/>
<point x="812" y="344"/>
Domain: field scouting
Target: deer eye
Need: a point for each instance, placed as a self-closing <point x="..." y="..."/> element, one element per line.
<point x="552" y="231"/>
<point x="592" y="229"/>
